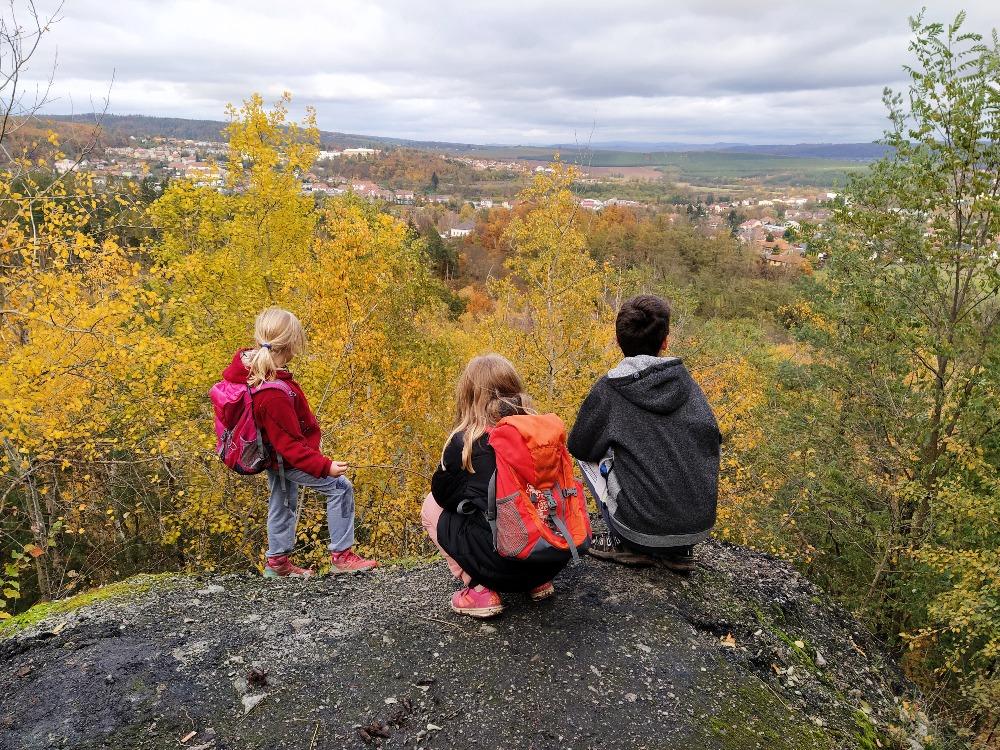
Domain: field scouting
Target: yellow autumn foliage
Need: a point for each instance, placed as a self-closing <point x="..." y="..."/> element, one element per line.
<point x="110" y="347"/>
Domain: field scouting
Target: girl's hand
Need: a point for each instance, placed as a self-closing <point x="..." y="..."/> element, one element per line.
<point x="337" y="469"/>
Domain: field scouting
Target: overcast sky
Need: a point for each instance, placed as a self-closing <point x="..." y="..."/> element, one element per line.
<point x="518" y="71"/>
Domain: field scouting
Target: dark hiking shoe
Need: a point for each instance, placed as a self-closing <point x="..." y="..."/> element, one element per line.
<point x="543" y="592"/>
<point x="678" y="559"/>
<point x="604" y="546"/>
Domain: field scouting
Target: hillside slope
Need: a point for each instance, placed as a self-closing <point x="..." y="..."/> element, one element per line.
<point x="743" y="654"/>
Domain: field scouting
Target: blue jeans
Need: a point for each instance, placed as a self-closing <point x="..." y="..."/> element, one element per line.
<point x="283" y="503"/>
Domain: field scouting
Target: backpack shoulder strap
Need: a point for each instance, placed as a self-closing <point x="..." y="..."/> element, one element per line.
<point x="274" y="385"/>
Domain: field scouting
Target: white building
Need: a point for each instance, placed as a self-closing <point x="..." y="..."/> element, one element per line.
<point x="461" y="230"/>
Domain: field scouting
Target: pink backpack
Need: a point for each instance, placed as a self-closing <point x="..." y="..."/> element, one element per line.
<point x="240" y="444"/>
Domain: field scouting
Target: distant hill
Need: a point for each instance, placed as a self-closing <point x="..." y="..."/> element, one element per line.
<point x="720" y="164"/>
<point x="121" y="127"/>
<point x="840" y="151"/>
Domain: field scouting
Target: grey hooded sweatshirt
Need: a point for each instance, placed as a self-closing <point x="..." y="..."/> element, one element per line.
<point x="654" y="420"/>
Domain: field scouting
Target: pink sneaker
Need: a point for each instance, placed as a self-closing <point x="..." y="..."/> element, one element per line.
<point x="477" y="601"/>
<point x="282" y="567"/>
<point x="347" y="561"/>
<point x="544" y="591"/>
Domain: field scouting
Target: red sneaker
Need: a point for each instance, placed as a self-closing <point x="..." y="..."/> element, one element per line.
<point x="544" y="591"/>
<point x="346" y="561"/>
<point x="477" y="601"/>
<point x="282" y="567"/>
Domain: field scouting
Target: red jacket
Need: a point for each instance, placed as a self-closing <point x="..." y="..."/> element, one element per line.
<point x="288" y="424"/>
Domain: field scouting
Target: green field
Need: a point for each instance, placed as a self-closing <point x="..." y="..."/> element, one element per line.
<point x="704" y="168"/>
<point x="723" y="168"/>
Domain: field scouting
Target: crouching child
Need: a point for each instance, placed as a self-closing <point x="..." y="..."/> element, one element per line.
<point x="649" y="447"/>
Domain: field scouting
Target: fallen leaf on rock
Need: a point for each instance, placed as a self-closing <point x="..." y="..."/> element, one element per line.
<point x="433" y="728"/>
<point x="799" y="644"/>
<point x="728" y="641"/>
<point x="376" y="729"/>
<point x="257" y="677"/>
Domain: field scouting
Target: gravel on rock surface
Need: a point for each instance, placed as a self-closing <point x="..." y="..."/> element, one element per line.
<point x="744" y="653"/>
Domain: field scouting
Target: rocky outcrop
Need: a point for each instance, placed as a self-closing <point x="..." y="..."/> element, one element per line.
<point x="744" y="653"/>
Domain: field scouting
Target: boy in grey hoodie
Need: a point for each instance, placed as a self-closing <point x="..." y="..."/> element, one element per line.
<point x="649" y="445"/>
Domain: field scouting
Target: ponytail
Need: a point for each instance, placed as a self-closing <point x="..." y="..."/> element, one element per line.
<point x="261" y="365"/>
<point x="278" y="333"/>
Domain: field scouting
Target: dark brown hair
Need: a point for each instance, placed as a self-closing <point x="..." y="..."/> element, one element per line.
<point x="642" y="325"/>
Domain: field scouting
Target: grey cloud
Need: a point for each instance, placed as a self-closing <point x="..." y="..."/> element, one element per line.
<point x="516" y="71"/>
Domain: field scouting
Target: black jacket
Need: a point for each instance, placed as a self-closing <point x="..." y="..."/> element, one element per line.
<point x="655" y="418"/>
<point x="466" y="536"/>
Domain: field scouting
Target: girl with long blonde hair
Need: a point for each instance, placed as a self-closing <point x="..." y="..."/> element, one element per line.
<point x="283" y="416"/>
<point x="453" y="514"/>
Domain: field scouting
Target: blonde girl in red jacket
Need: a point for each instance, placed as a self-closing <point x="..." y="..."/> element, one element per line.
<point x="289" y="425"/>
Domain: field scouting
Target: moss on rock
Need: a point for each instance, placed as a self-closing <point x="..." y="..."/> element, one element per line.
<point x="756" y="718"/>
<point x="122" y="590"/>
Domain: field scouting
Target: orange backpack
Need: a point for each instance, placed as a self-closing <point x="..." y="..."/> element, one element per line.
<point x="536" y="507"/>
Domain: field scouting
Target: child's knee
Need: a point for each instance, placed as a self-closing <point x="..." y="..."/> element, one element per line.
<point x="429" y="512"/>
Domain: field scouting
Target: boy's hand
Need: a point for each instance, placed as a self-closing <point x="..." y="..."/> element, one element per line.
<point x="337" y="469"/>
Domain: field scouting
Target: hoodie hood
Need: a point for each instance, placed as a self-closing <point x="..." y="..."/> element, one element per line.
<point x="660" y="385"/>
<point x="237" y="372"/>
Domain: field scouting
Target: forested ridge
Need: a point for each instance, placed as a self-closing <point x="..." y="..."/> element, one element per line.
<point x="858" y="400"/>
